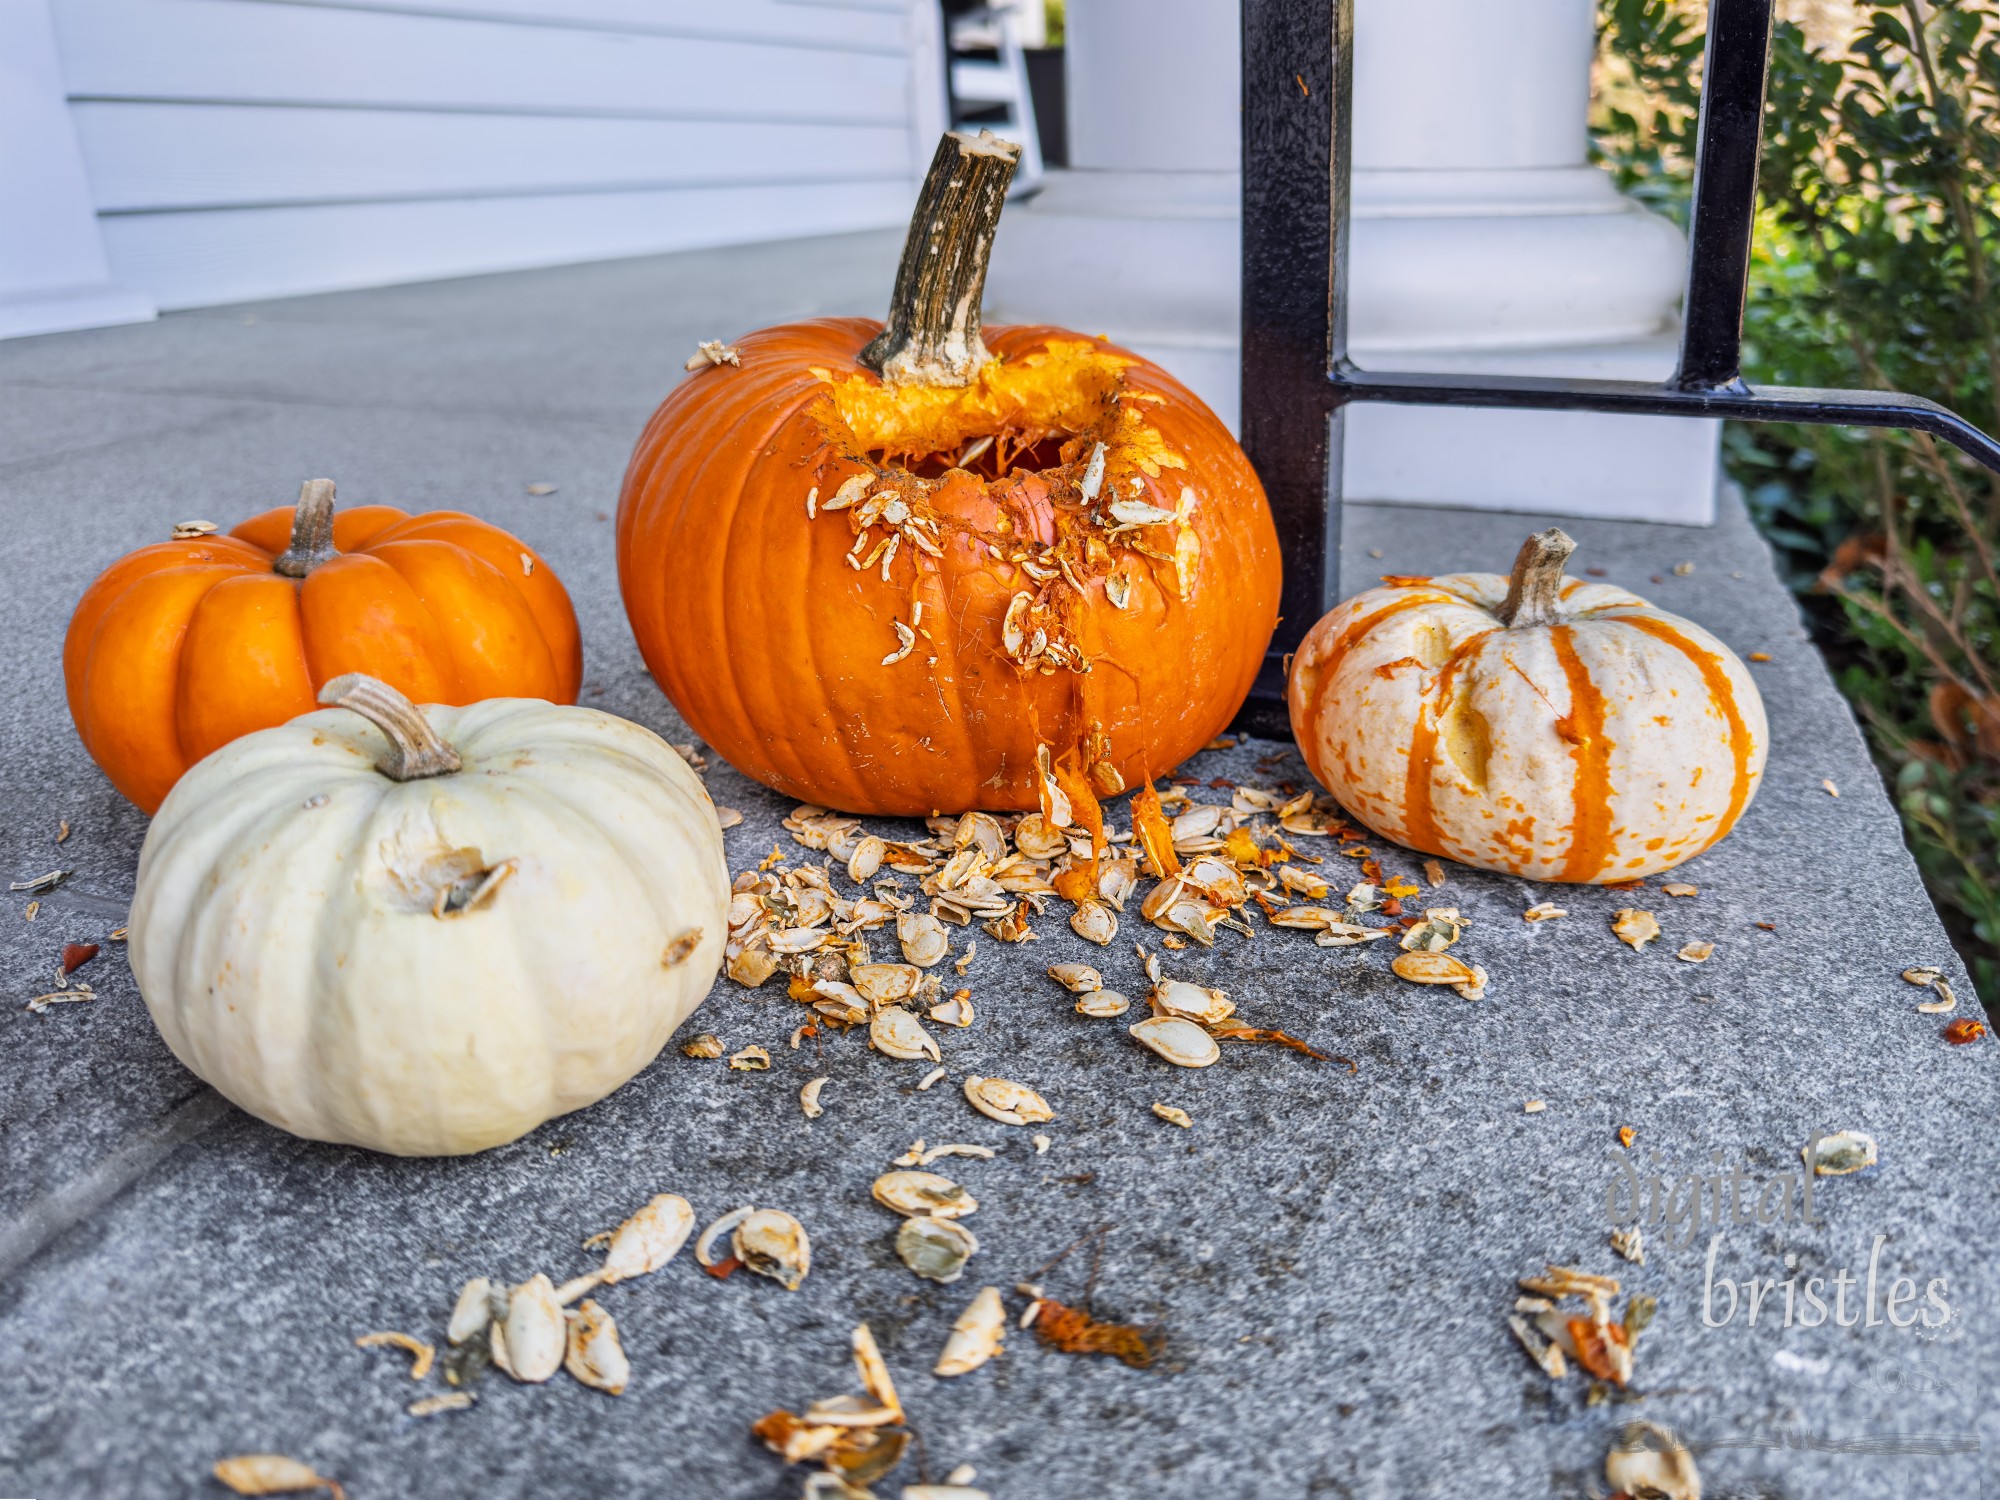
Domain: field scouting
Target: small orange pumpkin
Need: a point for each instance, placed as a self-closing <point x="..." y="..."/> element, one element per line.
<point x="180" y="647"/>
<point x="1540" y="725"/>
<point x="880" y="569"/>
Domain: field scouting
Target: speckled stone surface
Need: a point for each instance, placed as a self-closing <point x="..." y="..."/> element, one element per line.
<point x="1329" y="1254"/>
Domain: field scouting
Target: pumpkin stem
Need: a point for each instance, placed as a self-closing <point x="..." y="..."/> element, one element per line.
<point x="415" y="750"/>
<point x="933" y="332"/>
<point x="312" y="531"/>
<point x="1534" y="595"/>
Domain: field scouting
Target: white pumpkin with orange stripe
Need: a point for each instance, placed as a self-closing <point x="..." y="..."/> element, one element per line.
<point x="1536" y="724"/>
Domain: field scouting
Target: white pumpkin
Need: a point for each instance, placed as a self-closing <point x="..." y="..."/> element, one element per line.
<point x="1536" y="724"/>
<point x="428" y="931"/>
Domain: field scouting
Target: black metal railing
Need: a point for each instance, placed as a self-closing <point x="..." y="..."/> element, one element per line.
<point x="1298" y="94"/>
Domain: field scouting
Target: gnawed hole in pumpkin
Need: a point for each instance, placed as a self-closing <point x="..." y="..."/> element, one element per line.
<point x="423" y="875"/>
<point x="1028" y="407"/>
<point x="1467" y="739"/>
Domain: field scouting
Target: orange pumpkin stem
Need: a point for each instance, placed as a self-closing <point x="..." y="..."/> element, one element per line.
<point x="312" y="531"/>
<point x="415" y="750"/>
<point x="933" y="333"/>
<point x="1534" y="594"/>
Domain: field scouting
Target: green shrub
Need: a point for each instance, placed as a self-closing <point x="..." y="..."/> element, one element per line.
<point x="1877" y="265"/>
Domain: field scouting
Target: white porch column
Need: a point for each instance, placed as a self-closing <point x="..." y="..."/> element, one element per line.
<point x="1482" y="240"/>
<point x="53" y="272"/>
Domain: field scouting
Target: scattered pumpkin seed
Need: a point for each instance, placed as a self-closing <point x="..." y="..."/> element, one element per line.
<point x="923" y="938"/>
<point x="431" y="1406"/>
<point x="1078" y="979"/>
<point x="593" y="1354"/>
<point x="1433" y="968"/>
<point x="1174" y="1116"/>
<point x="1696" y="952"/>
<point x="649" y="1239"/>
<point x="1190" y="1002"/>
<point x="528" y="1343"/>
<point x="809" y="1098"/>
<point x="936" y="1249"/>
<point x="976" y="1335"/>
<point x="1636" y="926"/>
<point x="900" y="1034"/>
<point x="272" y="1474"/>
<point x="1543" y="911"/>
<point x="1651" y="1461"/>
<point x="923" y="1193"/>
<point x="706" y="1045"/>
<point x="1006" y="1101"/>
<point x="1629" y="1243"/>
<point x="1179" y="1042"/>
<point x="421" y="1354"/>
<point x="1533" y="1107"/>
<point x="773" y="1243"/>
<point x="472" y="1312"/>
<point x="752" y="1059"/>
<point x="1103" y="1004"/>
<point x="1681" y="888"/>
<point x="924" y="1083"/>
<point x="1841" y="1153"/>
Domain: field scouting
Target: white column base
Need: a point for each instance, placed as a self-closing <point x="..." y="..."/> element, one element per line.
<point x="62" y="309"/>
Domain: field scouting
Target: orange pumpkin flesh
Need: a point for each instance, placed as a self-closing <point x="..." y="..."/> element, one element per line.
<point x="791" y="523"/>
<point x="183" y="646"/>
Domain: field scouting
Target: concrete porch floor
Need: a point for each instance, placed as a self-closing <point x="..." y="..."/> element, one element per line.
<point x="1331" y="1255"/>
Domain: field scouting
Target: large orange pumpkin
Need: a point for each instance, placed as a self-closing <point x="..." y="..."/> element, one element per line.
<point x="1531" y="723"/>
<point x="880" y="576"/>
<point x="180" y="647"/>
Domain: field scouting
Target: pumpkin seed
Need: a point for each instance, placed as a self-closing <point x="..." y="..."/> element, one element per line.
<point x="957" y="1011"/>
<point x="1078" y="979"/>
<point x="773" y="1243"/>
<point x="1008" y="1102"/>
<point x="874" y="1371"/>
<point x="923" y="939"/>
<point x="1198" y="822"/>
<point x="1636" y="926"/>
<point x="1299" y="882"/>
<point x="809" y="1098"/>
<point x="1680" y="888"/>
<point x="1442" y="926"/>
<point x="924" y="1083"/>
<point x="935" y="1249"/>
<point x="1319" y="917"/>
<point x="1093" y="472"/>
<point x="1349" y="935"/>
<point x="1190" y="1002"/>
<point x="431" y="1406"/>
<point x="953" y="1148"/>
<point x="851" y="490"/>
<point x="593" y="1354"/>
<point x="752" y="1059"/>
<point x="923" y="1193"/>
<point x="1174" y="1116"/>
<point x="1036" y="839"/>
<point x="1649" y="1460"/>
<point x="707" y="354"/>
<point x="528" y="1344"/>
<point x="1922" y="977"/>
<point x="1842" y="1153"/>
<point x="1103" y="1004"/>
<point x="271" y="1474"/>
<point x="1432" y="968"/>
<point x="976" y="1335"/>
<point x="866" y="859"/>
<point x="900" y="1034"/>
<point x="1543" y="911"/>
<point x="472" y="1312"/>
<point x="1118" y="589"/>
<point x="906" y="638"/>
<point x="1117" y="879"/>
<point x="706" y="1045"/>
<point x="1629" y="1243"/>
<point x="1697" y="953"/>
<point x="884" y="984"/>
<point x="1094" y="922"/>
<point x="649" y="1239"/>
<point x="704" y="1247"/>
<point x="1947" y="998"/>
<point x="421" y="1354"/>
<point x="1180" y="1042"/>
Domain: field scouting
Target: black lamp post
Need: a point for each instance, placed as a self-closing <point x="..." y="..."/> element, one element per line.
<point x="1298" y="91"/>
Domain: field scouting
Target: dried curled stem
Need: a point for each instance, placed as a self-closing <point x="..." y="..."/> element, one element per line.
<point x="312" y="531"/>
<point x="415" y="750"/>
<point x="933" y="333"/>
<point x="1534" y="595"/>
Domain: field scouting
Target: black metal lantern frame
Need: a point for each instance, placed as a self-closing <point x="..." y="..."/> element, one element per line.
<point x="1298" y="94"/>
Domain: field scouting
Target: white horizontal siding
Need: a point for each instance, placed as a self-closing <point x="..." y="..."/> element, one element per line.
<point x="152" y="157"/>
<point x="194" y="259"/>
<point x="254" y="148"/>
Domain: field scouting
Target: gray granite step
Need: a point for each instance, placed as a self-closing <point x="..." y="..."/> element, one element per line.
<point x="1330" y="1255"/>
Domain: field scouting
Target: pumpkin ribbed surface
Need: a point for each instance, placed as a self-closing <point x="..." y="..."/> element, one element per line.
<point x="1031" y="612"/>
<point x="1613" y="741"/>
<point x="180" y="647"/>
